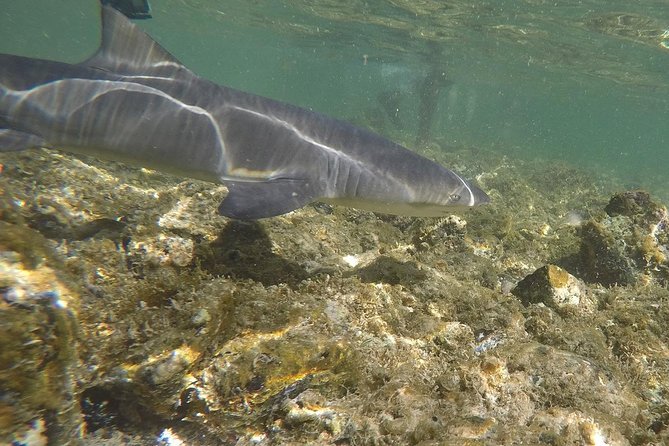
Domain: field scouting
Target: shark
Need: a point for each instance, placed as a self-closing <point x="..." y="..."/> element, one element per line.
<point x="132" y="101"/>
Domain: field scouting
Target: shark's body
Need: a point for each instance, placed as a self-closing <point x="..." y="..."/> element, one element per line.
<point x="133" y="102"/>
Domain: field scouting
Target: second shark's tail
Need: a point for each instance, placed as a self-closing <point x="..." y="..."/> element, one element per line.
<point x="133" y="9"/>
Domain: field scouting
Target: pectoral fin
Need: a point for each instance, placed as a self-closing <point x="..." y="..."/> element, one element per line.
<point x="14" y="141"/>
<point x="253" y="200"/>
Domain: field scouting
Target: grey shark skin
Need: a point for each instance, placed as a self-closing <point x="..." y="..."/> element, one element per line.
<point x="134" y="102"/>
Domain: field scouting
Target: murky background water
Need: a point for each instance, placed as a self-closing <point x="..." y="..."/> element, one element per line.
<point x="585" y="82"/>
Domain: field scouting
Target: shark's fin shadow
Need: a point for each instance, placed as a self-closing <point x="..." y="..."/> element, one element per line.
<point x="243" y="250"/>
<point x="391" y="271"/>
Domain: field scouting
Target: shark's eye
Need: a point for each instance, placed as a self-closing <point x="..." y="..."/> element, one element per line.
<point x="454" y="197"/>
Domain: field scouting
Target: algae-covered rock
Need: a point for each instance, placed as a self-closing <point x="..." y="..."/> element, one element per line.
<point x="633" y="204"/>
<point x="38" y="356"/>
<point x="554" y="287"/>
<point x="449" y="231"/>
<point x="628" y="245"/>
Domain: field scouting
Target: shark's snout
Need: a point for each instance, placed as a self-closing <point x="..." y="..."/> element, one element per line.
<point x="477" y="196"/>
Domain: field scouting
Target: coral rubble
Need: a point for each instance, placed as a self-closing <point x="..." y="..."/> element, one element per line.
<point x="130" y="313"/>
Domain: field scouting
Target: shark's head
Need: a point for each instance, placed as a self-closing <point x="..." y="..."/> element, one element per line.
<point x="454" y="192"/>
<point x="416" y="187"/>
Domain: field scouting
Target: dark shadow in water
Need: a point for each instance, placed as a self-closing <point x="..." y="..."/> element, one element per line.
<point x="429" y="90"/>
<point x="390" y="271"/>
<point x="113" y="406"/>
<point x="390" y="102"/>
<point x="244" y="251"/>
<point x="55" y="228"/>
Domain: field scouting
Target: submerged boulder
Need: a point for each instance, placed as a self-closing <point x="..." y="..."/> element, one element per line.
<point x="555" y="288"/>
<point x="38" y="356"/>
<point x="629" y="244"/>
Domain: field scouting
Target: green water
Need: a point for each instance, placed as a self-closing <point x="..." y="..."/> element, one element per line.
<point x="585" y="82"/>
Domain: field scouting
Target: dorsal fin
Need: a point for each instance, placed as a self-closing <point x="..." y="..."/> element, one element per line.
<point x="126" y="49"/>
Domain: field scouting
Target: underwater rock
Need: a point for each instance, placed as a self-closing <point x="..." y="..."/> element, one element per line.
<point x="630" y="244"/>
<point x="631" y="204"/>
<point x="38" y="358"/>
<point x="554" y="287"/>
<point x="453" y="336"/>
<point x="585" y="399"/>
<point x="564" y="426"/>
<point x="137" y="394"/>
<point x="164" y="250"/>
<point x="308" y="409"/>
<point x="450" y="231"/>
<point x="168" y="368"/>
<point x="201" y="317"/>
<point x="386" y="269"/>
